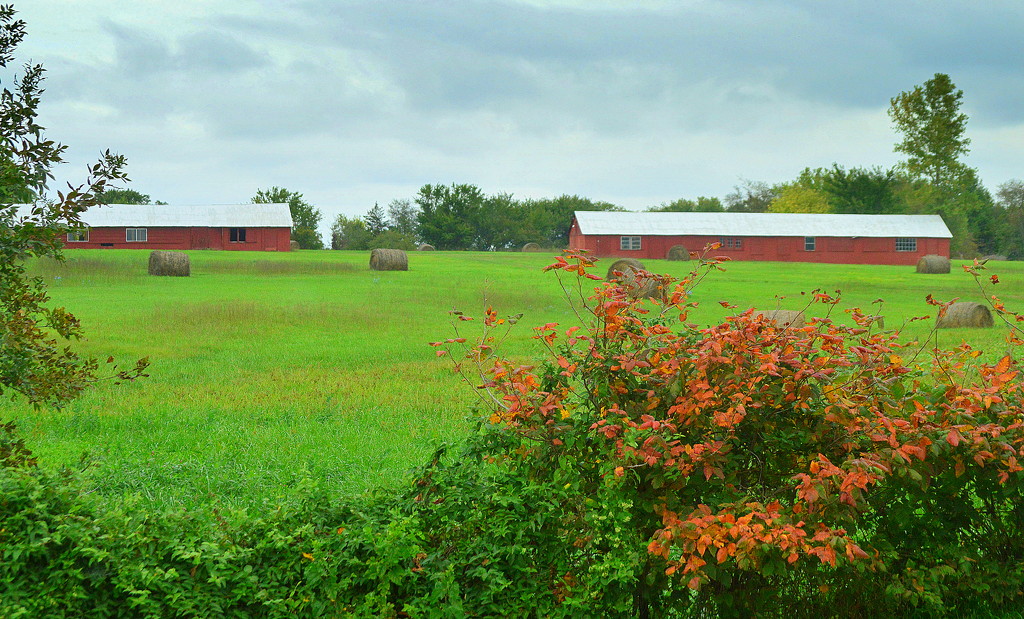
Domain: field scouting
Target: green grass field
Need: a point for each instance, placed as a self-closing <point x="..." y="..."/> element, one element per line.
<point x="269" y="370"/>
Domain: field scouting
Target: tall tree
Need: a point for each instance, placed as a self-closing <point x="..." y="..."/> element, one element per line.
<point x="376" y="223"/>
<point x="551" y="218"/>
<point x="35" y="360"/>
<point x="447" y="213"/>
<point x="750" y="197"/>
<point x="986" y="221"/>
<point x="932" y="125"/>
<point x="402" y="217"/>
<point x="865" y="191"/>
<point x="501" y="224"/>
<point x="933" y="129"/>
<point x="305" y="216"/>
<point x="1010" y="197"/>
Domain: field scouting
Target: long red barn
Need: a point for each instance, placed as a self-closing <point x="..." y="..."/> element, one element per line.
<point x="246" y="227"/>
<point x="783" y="237"/>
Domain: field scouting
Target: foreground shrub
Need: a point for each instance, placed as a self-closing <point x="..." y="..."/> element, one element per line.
<point x="740" y="469"/>
<point x="66" y="553"/>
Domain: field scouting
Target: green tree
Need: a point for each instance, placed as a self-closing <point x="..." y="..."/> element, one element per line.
<point x="376" y="223"/>
<point x="350" y="233"/>
<point x="33" y="361"/>
<point x="1010" y="198"/>
<point x="125" y="196"/>
<point x="14" y="186"/>
<point x="750" y="197"/>
<point x="447" y="214"/>
<point x="932" y="125"/>
<point x="305" y="217"/>
<point x="550" y="218"/>
<point x="702" y="204"/>
<point x="919" y="197"/>
<point x="800" y="199"/>
<point x="866" y="191"/>
<point x="501" y="224"/>
<point x="402" y="217"/>
<point x="934" y="140"/>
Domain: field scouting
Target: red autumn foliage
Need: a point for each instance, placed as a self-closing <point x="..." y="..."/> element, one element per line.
<point x="751" y="448"/>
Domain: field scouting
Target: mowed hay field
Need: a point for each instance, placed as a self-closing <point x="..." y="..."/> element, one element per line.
<point x="271" y="372"/>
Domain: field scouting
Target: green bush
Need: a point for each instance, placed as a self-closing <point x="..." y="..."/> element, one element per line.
<point x="65" y="553"/>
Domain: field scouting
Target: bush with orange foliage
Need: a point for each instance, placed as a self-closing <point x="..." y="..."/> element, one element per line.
<point x="759" y="469"/>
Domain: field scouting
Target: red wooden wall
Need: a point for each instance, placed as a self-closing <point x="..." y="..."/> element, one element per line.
<point x="256" y="239"/>
<point x="832" y="250"/>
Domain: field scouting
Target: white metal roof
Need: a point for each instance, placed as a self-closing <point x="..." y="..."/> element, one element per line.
<point x="761" y="224"/>
<point x="195" y="215"/>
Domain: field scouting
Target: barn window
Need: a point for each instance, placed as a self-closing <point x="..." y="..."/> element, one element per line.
<point x="237" y="235"/>
<point x="731" y="242"/>
<point x="906" y="244"/>
<point x="809" y="243"/>
<point x="136" y="235"/>
<point x="629" y="243"/>
<point x="79" y="236"/>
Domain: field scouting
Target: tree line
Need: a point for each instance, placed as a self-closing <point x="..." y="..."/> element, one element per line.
<point x="461" y="216"/>
<point x="932" y="179"/>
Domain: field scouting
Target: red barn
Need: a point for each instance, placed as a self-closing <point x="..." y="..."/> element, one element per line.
<point x="787" y="237"/>
<point x="251" y="227"/>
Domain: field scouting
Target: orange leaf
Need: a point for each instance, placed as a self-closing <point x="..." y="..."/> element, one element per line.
<point x="723" y="554"/>
<point x="1003" y="365"/>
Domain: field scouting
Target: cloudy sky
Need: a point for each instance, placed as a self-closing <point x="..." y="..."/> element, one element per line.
<point x="633" y="102"/>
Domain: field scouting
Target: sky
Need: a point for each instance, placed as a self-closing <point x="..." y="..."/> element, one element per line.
<point x="636" y="102"/>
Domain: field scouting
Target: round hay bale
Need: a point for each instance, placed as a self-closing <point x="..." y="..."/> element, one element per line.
<point x="293" y="245"/>
<point x="425" y="247"/>
<point x="965" y="314"/>
<point x="783" y="318"/>
<point x="532" y="247"/>
<point x="389" y="260"/>
<point x="170" y="263"/>
<point x="678" y="253"/>
<point x="624" y="266"/>
<point x="624" y="271"/>
<point x="932" y="264"/>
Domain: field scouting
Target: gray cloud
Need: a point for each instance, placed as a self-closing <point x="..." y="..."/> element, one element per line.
<point x="643" y="104"/>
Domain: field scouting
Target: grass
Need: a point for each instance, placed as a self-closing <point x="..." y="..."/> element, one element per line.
<point x="268" y="369"/>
